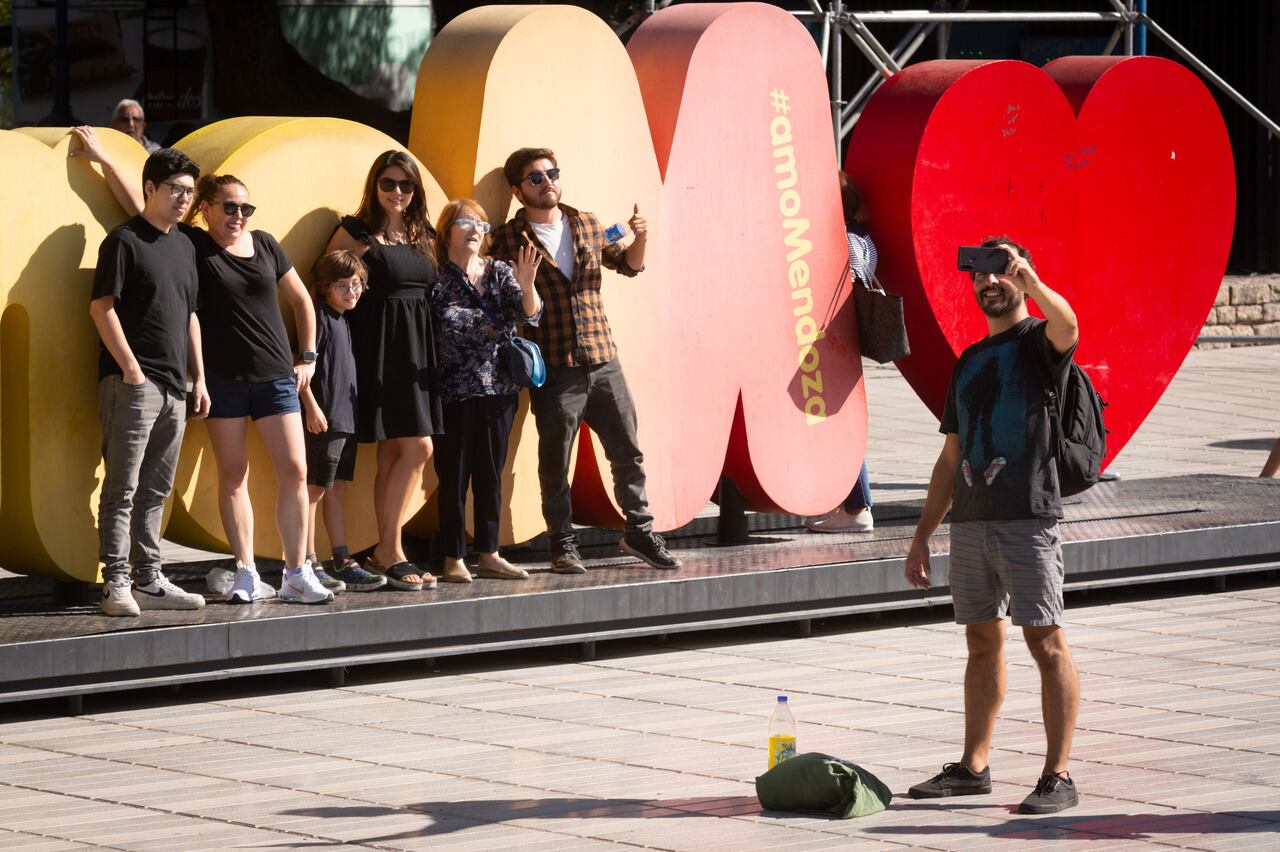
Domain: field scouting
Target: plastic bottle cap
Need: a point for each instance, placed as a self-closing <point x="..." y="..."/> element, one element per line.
<point x="782" y="698"/>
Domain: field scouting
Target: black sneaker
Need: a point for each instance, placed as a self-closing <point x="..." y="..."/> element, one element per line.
<point x="650" y="549"/>
<point x="955" y="779"/>
<point x="1053" y="793"/>
<point x="565" y="558"/>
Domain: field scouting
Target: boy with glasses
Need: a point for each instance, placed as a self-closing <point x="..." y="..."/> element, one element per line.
<point x="585" y="381"/>
<point x="143" y="306"/>
<point x="329" y="407"/>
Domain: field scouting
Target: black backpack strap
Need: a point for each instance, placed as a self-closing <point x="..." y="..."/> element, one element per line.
<point x="1053" y="400"/>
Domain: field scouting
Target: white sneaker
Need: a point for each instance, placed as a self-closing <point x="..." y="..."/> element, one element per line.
<point x="116" y="599"/>
<point x="840" y="521"/>
<point x="160" y="593"/>
<point x="248" y="586"/>
<point x="302" y="586"/>
<point x="219" y="581"/>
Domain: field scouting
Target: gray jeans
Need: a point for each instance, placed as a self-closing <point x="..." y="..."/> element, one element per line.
<point x="141" y="435"/>
<point x="597" y="395"/>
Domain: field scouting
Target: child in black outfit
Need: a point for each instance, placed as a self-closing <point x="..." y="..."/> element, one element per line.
<point x="329" y="405"/>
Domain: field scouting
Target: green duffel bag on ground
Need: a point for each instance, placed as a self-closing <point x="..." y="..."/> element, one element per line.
<point x="820" y="784"/>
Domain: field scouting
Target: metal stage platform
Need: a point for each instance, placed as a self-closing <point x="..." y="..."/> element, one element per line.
<point x="1118" y="533"/>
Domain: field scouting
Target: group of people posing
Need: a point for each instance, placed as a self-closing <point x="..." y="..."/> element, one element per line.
<point x="399" y="348"/>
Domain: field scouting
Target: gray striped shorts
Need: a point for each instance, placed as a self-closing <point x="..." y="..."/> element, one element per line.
<point x="1013" y="567"/>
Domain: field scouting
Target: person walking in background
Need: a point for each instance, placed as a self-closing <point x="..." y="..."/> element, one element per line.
<point x="391" y="332"/>
<point x="585" y="383"/>
<point x="476" y="302"/>
<point x="144" y="308"/>
<point x="997" y="475"/>
<point x="854" y="514"/>
<point x="329" y="405"/>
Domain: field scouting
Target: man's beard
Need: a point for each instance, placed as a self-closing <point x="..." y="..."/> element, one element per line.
<point x="538" y="201"/>
<point x="1002" y="306"/>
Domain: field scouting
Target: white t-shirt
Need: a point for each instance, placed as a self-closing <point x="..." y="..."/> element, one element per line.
<point x="558" y="240"/>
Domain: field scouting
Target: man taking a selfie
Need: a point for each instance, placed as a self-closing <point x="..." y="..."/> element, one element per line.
<point x="997" y="474"/>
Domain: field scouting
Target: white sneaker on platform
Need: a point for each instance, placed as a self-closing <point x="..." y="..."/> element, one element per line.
<point x="248" y="586"/>
<point x="116" y="599"/>
<point x="302" y="586"/>
<point x="160" y="593"/>
<point x="840" y="521"/>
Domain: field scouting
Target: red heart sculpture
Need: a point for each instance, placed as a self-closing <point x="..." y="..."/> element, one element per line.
<point x="1116" y="173"/>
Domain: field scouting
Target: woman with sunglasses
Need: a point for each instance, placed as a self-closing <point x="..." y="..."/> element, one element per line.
<point x="391" y="333"/>
<point x="249" y="362"/>
<point x="476" y="302"/>
<point x="252" y="374"/>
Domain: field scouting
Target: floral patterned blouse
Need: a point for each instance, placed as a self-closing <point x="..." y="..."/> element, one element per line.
<point x="466" y="341"/>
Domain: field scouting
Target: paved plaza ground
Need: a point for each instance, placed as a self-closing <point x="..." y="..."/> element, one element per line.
<point x="655" y="744"/>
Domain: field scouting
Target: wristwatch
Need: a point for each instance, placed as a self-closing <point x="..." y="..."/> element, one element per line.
<point x="308" y="357"/>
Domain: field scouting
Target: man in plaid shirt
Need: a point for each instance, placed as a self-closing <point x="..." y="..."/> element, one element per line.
<point x="584" y="382"/>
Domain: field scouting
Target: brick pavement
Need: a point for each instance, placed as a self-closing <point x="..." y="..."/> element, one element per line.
<point x="655" y="745"/>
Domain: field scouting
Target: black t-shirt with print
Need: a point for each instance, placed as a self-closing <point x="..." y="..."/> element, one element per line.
<point x="152" y="276"/>
<point x="996" y="405"/>
<point x="241" y="328"/>
<point x="334" y="384"/>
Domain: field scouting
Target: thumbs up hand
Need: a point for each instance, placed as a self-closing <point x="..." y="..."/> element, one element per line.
<point x="638" y="225"/>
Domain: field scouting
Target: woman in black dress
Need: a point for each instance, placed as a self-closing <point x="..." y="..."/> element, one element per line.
<point x="399" y="404"/>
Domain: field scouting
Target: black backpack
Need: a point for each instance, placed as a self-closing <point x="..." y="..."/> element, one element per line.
<point x="1078" y="436"/>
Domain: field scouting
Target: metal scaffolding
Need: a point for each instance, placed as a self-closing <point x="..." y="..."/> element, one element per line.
<point x="835" y="23"/>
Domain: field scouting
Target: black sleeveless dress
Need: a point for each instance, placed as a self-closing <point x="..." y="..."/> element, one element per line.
<point x="396" y="378"/>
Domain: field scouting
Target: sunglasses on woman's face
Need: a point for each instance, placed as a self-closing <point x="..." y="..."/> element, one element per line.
<point x="386" y="184"/>
<point x="472" y="225"/>
<point x="536" y="178"/>
<point x="231" y="208"/>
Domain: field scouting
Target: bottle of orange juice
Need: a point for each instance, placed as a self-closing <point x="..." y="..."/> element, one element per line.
<point x="782" y="733"/>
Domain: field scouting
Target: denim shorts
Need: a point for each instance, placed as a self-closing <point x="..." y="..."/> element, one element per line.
<point x="232" y="399"/>
<point x="331" y="456"/>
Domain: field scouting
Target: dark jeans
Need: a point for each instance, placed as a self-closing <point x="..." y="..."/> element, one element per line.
<point x="860" y="496"/>
<point x="598" y="396"/>
<point x="141" y="434"/>
<point x="472" y="449"/>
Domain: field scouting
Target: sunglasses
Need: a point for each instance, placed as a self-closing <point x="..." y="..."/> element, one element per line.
<point x="472" y="225"/>
<point x="231" y="209"/>
<point x="536" y="178"/>
<point x="406" y="187"/>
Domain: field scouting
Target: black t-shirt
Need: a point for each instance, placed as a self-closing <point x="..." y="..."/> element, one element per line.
<point x="153" y="278"/>
<point x="334" y="383"/>
<point x="996" y="405"/>
<point x="241" y="327"/>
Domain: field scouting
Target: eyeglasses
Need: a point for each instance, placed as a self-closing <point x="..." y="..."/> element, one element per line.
<point x="177" y="190"/>
<point x="406" y="187"/>
<point x="353" y="287"/>
<point x="231" y="208"/>
<point x="473" y="225"/>
<point x="536" y="178"/>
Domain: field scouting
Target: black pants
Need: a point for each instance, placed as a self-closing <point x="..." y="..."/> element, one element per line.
<point x="472" y="450"/>
<point x="597" y="395"/>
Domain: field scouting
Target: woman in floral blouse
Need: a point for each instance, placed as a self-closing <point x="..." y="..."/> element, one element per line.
<point x="475" y="301"/>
